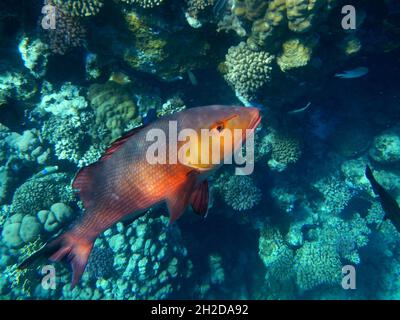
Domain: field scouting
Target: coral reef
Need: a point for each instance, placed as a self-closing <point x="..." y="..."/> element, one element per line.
<point x="82" y="8"/>
<point x="41" y="193"/>
<point x="285" y="150"/>
<point x="386" y="147"/>
<point x="241" y="193"/>
<point x="34" y="53"/>
<point x="336" y="195"/>
<point x="69" y="33"/>
<point x="16" y="85"/>
<point x="282" y="233"/>
<point x="113" y="108"/>
<point x="276" y="255"/>
<point x="247" y="70"/>
<point x="295" y="54"/>
<point x="315" y="265"/>
<point x="144" y="3"/>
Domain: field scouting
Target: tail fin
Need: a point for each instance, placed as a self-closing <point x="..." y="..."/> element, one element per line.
<point x="374" y="184"/>
<point x="74" y="249"/>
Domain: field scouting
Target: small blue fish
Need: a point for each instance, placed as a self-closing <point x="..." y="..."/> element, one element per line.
<point x="351" y="74"/>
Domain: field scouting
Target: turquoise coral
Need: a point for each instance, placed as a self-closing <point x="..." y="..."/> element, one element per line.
<point x="241" y="193"/>
<point x="315" y="265"/>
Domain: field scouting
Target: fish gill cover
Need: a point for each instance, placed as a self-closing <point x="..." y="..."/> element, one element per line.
<point x="77" y="75"/>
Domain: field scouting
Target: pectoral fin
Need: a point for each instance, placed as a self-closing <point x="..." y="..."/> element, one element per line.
<point x="199" y="199"/>
<point x="180" y="199"/>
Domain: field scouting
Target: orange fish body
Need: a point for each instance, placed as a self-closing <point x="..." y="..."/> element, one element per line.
<point x="125" y="181"/>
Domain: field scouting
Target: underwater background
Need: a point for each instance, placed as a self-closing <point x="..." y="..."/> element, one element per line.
<point x="330" y="102"/>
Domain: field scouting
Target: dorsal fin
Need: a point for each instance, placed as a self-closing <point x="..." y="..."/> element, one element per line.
<point x="118" y="143"/>
<point x="85" y="177"/>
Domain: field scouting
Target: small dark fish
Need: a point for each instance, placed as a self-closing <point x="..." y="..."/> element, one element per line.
<point x="389" y="204"/>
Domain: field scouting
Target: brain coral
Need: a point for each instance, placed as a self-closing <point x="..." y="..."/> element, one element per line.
<point x="81" y="8"/>
<point x="20" y="229"/>
<point x="241" y="193"/>
<point x="41" y="192"/>
<point x="113" y="107"/>
<point x="247" y="70"/>
<point x="315" y="265"/>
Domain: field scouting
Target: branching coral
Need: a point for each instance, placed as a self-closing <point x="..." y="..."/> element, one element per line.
<point x="336" y="194"/>
<point x="68" y="122"/>
<point x="144" y="3"/>
<point x="285" y="150"/>
<point x="346" y="237"/>
<point x="241" y="193"/>
<point x="82" y="8"/>
<point x="195" y="7"/>
<point x="316" y="265"/>
<point x="247" y="70"/>
<point x="275" y="254"/>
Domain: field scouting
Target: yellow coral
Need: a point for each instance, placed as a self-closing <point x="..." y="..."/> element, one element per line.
<point x="113" y="106"/>
<point x="300" y="13"/>
<point x="294" y="54"/>
<point x="249" y="9"/>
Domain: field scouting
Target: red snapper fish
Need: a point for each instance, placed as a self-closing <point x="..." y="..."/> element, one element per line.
<point x="125" y="182"/>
